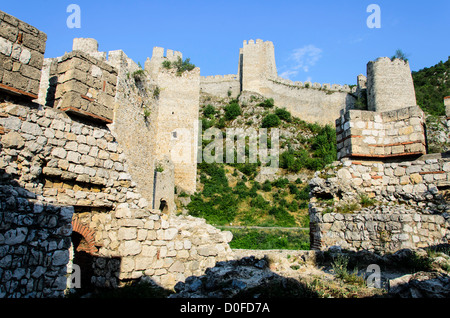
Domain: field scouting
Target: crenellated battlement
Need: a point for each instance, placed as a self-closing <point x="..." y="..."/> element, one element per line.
<point x="257" y="42"/>
<point x="219" y="78"/>
<point x="326" y="86"/>
<point x="171" y="55"/>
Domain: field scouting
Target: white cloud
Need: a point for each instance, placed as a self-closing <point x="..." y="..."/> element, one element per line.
<point x="302" y="59"/>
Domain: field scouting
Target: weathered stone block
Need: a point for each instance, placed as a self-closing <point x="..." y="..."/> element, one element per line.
<point x="86" y="86"/>
<point x="22" y="48"/>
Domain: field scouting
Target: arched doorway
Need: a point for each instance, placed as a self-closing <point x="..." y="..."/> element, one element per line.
<point x="83" y="252"/>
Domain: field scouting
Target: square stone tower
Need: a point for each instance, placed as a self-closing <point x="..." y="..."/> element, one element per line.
<point x="257" y="64"/>
<point x="176" y="117"/>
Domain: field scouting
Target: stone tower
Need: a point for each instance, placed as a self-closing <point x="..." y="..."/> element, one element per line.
<point x="389" y="85"/>
<point x="176" y="117"/>
<point x="257" y="63"/>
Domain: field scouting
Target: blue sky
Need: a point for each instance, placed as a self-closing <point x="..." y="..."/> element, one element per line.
<point x="322" y="41"/>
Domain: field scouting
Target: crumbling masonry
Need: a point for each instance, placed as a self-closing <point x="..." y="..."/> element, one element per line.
<point x="88" y="176"/>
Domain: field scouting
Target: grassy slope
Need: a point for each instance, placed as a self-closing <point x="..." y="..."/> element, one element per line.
<point x="235" y="194"/>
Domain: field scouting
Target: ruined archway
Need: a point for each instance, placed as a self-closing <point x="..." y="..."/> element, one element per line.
<point x="83" y="250"/>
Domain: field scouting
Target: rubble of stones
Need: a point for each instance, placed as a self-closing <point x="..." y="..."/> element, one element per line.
<point x="235" y="278"/>
<point x="226" y="279"/>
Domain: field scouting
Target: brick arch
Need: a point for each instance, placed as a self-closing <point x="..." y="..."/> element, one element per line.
<point x="86" y="233"/>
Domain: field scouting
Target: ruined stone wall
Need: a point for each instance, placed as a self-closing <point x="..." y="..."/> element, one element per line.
<point x="22" y="48"/>
<point x="34" y="243"/>
<point x="389" y="85"/>
<point x="132" y="129"/>
<point x="83" y="169"/>
<point x="381" y="134"/>
<point x="85" y="86"/>
<point x="381" y="206"/>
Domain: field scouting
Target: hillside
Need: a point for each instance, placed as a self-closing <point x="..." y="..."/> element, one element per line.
<point x="237" y="194"/>
<point x="432" y="84"/>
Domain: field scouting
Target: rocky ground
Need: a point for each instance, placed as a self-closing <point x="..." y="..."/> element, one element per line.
<point x="309" y="274"/>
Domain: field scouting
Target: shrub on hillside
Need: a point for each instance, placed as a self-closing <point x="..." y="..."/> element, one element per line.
<point x="283" y="114"/>
<point x="232" y="111"/>
<point x="271" y="121"/>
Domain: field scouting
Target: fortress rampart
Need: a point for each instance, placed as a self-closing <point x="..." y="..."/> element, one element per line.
<point x="257" y="72"/>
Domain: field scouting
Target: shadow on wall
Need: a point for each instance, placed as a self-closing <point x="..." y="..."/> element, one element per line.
<point x="35" y="243"/>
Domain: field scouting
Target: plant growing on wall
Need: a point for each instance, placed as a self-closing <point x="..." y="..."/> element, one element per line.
<point x="179" y="65"/>
<point x="399" y="54"/>
<point x="147" y="113"/>
<point x="156" y="92"/>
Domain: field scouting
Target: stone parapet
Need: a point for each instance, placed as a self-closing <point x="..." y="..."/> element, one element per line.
<point x="22" y="49"/>
<point x="388" y="134"/>
<point x="85" y="86"/>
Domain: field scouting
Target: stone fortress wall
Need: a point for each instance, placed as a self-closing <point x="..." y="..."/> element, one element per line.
<point x="389" y="85"/>
<point x="381" y="134"/>
<point x="94" y="185"/>
<point x="408" y="210"/>
<point x="177" y="117"/>
<point x="257" y="73"/>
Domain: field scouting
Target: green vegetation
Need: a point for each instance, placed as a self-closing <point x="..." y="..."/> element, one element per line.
<point x="399" y="54"/>
<point x="267" y="103"/>
<point x="271" y="121"/>
<point x="167" y="64"/>
<point x="227" y="199"/>
<point x="147" y="113"/>
<point x="324" y="152"/>
<point x="156" y="92"/>
<point x="283" y="114"/>
<point x="340" y="268"/>
<point x="228" y="193"/>
<point x="137" y="75"/>
<point x="365" y="201"/>
<point x="232" y="111"/>
<point x="432" y="85"/>
<point x="209" y="111"/>
<point x="269" y="239"/>
<point x="179" y="65"/>
<point x="216" y="203"/>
